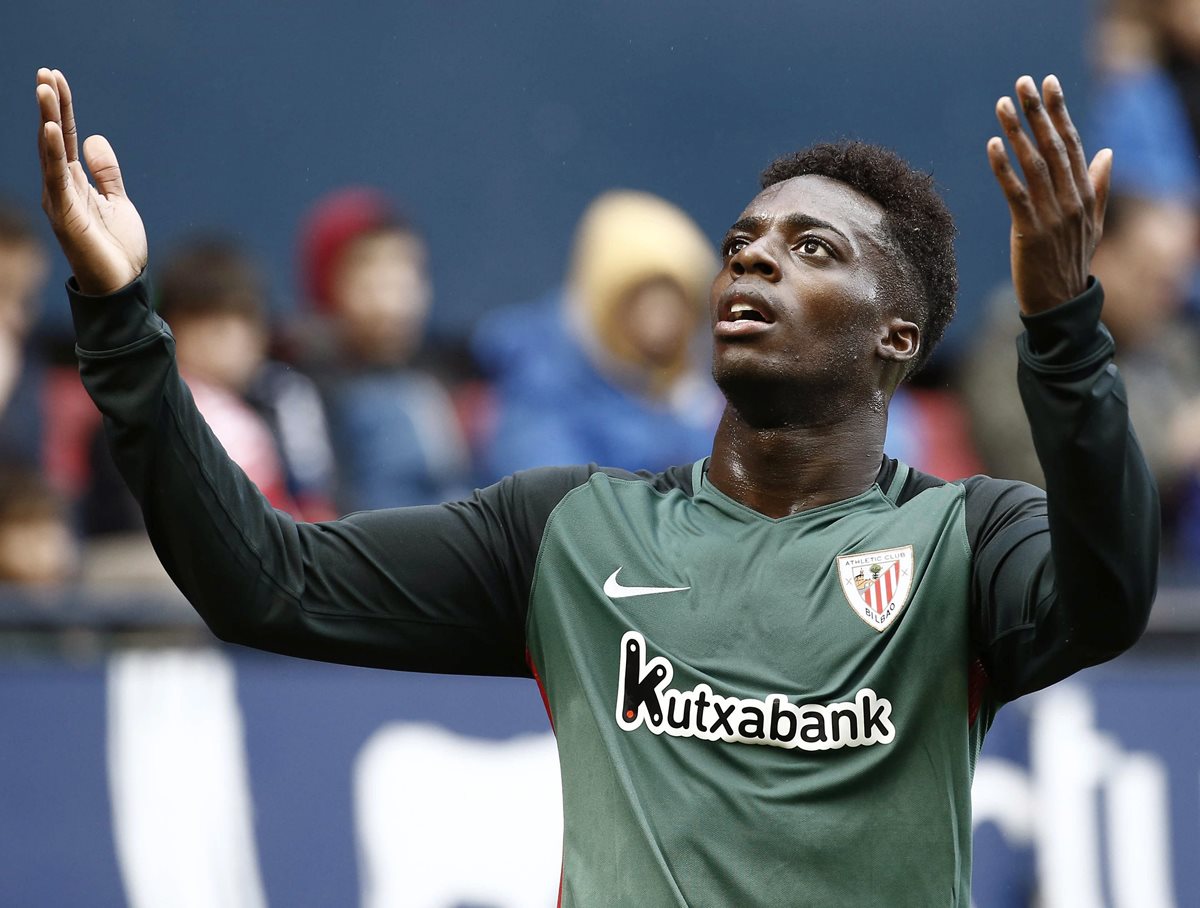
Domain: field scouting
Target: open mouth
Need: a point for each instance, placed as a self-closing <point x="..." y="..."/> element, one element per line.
<point x="742" y="312"/>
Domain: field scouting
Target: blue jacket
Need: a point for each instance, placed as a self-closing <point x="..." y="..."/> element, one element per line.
<point x="555" y="407"/>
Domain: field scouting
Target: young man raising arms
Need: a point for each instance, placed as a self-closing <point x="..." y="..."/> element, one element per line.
<point x="770" y="671"/>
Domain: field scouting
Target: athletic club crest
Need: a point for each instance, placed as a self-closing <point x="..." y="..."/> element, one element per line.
<point x="877" y="584"/>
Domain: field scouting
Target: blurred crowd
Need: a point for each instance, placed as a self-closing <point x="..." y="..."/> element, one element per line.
<point x="348" y="405"/>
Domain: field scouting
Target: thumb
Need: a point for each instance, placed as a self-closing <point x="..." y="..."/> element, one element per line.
<point x="102" y="162"/>
<point x="1100" y="173"/>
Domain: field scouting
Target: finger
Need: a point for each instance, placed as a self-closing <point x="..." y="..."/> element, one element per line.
<point x="41" y="133"/>
<point x="67" y="112"/>
<point x="1100" y="175"/>
<point x="47" y="95"/>
<point x="56" y="177"/>
<point x="1037" y="172"/>
<point x="102" y="162"/>
<point x="1050" y="145"/>
<point x="47" y="100"/>
<point x="1014" y="190"/>
<point x="79" y="179"/>
<point x="46" y="77"/>
<point x="1056" y="106"/>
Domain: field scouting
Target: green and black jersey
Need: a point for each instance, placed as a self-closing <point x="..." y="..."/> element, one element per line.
<point x="749" y="711"/>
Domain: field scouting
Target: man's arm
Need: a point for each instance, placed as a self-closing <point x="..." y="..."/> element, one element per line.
<point x="433" y="589"/>
<point x="1066" y="580"/>
<point x="441" y="588"/>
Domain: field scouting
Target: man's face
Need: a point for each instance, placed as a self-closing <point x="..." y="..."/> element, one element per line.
<point x="798" y="302"/>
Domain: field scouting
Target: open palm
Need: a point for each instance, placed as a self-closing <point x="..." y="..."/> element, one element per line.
<point x="1058" y="211"/>
<point x="99" y="230"/>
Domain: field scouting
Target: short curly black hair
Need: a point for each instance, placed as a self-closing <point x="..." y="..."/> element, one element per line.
<point x="915" y="217"/>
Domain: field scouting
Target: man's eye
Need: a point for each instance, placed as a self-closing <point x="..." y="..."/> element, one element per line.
<point x="811" y="245"/>
<point x="734" y="246"/>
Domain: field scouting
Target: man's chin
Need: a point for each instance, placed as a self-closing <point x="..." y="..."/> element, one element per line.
<point x="769" y="394"/>
<point x="754" y="390"/>
<point x="736" y="367"/>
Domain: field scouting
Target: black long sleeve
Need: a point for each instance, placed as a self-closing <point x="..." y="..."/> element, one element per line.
<point x="1066" y="579"/>
<point x="1061" y="580"/>
<point x="442" y="588"/>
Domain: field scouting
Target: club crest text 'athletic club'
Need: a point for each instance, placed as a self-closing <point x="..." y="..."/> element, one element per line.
<point x="877" y="584"/>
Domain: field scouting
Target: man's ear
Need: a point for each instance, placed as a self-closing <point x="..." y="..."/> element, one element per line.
<point x="899" y="341"/>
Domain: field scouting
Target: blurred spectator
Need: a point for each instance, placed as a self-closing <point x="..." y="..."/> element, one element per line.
<point x="37" y="545"/>
<point x="1138" y="107"/>
<point x="1146" y="102"/>
<point x="1136" y="36"/>
<point x="1147" y="107"/>
<point x="267" y="416"/>
<point x="1144" y="262"/>
<point x="609" y="368"/>
<point x="36" y="542"/>
<point x="395" y="434"/>
<point x="1179" y="31"/>
<point x="23" y="267"/>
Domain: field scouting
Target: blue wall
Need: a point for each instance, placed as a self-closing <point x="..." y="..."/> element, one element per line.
<point x="306" y="726"/>
<point x="497" y="122"/>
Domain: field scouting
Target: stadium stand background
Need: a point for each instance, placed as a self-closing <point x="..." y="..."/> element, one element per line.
<point x="498" y="126"/>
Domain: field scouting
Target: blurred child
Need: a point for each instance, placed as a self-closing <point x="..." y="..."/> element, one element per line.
<point x="609" y="368"/>
<point x="267" y="416"/>
<point x="37" y="546"/>
<point x="23" y="266"/>
<point x="394" y="429"/>
<point x="212" y="298"/>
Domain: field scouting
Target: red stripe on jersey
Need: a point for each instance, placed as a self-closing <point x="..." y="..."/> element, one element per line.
<point x="541" y="689"/>
<point x="562" y="866"/>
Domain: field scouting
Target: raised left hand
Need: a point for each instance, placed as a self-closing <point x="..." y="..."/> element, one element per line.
<point x="1058" y="211"/>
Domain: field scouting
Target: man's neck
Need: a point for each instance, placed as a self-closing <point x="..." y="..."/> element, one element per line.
<point x="782" y="471"/>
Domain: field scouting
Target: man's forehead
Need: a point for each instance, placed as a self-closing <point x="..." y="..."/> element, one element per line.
<point x="825" y="198"/>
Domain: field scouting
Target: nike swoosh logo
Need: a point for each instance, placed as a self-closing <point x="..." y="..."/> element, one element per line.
<point x="614" y="590"/>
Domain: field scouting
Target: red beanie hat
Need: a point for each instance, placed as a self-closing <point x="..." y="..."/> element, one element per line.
<point x="331" y="225"/>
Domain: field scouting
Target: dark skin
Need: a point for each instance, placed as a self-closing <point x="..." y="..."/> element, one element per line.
<point x="807" y="391"/>
<point x="809" y="374"/>
<point x="807" y="387"/>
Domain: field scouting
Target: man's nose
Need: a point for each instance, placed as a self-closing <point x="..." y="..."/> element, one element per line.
<point x="755" y="259"/>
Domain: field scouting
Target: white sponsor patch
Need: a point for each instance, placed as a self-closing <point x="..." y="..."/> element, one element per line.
<point x="877" y="584"/>
<point x="644" y="697"/>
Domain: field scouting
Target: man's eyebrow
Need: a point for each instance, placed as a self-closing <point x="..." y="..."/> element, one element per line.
<point x="798" y="222"/>
<point x="748" y="225"/>
<point x="792" y="223"/>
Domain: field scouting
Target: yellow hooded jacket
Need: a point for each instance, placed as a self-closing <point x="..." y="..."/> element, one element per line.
<point x="626" y="239"/>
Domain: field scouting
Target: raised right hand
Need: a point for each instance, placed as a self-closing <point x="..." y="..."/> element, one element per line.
<point x="97" y="226"/>
<point x="1058" y="211"/>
